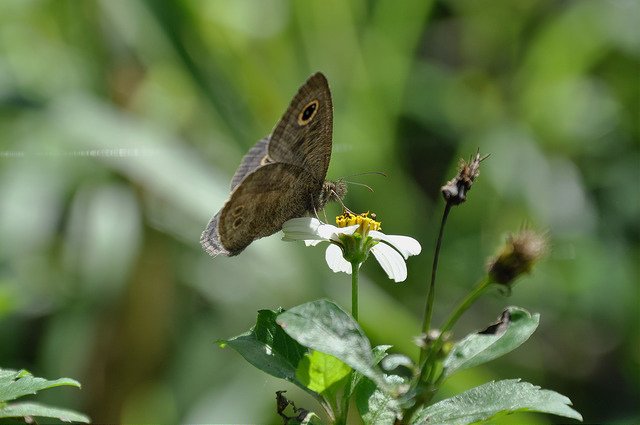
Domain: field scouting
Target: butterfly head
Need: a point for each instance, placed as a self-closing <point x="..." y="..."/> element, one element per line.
<point x="331" y="191"/>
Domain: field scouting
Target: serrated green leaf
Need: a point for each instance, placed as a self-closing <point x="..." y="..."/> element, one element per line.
<point x="493" y="398"/>
<point x="377" y="407"/>
<point x="323" y="326"/>
<point x="267" y="347"/>
<point x="479" y="348"/>
<point x="20" y="410"/>
<point x="14" y="384"/>
<point x="321" y="372"/>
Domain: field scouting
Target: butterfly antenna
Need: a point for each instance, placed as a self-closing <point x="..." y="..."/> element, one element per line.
<point x="360" y="184"/>
<point x="379" y="173"/>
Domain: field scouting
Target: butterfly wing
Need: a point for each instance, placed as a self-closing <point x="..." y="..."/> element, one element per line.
<point x="280" y="176"/>
<point x="210" y="238"/>
<point x="259" y="206"/>
<point x="252" y="160"/>
<point x="303" y="135"/>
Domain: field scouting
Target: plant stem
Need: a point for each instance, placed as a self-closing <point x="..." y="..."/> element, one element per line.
<point x="344" y="413"/>
<point x="328" y="409"/>
<point x="428" y="311"/>
<point x="464" y="305"/>
<point x="431" y="386"/>
<point x="355" y="268"/>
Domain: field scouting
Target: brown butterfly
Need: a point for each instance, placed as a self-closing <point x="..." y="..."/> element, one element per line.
<point x="282" y="176"/>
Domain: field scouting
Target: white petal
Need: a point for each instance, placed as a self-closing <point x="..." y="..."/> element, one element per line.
<point x="309" y="242"/>
<point x="326" y="230"/>
<point x="392" y="262"/>
<point x="302" y="222"/>
<point x="406" y="245"/>
<point x="349" y="230"/>
<point x="302" y="228"/>
<point x="336" y="261"/>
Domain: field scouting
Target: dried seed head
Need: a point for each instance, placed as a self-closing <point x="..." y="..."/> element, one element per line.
<point x="455" y="191"/>
<point x="517" y="256"/>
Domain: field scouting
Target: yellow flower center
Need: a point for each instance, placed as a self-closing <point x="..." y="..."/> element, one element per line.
<point x="366" y="223"/>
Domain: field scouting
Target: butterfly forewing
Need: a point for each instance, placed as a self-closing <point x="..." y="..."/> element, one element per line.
<point x="303" y="135"/>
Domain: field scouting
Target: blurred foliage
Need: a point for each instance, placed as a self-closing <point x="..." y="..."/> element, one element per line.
<point x="121" y="123"/>
<point x="16" y="384"/>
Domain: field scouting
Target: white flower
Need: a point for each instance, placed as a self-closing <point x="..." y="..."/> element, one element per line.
<point x="352" y="243"/>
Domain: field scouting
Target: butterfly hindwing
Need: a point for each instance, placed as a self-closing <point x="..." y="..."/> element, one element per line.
<point x="266" y="198"/>
<point x="252" y="160"/>
<point x="210" y="239"/>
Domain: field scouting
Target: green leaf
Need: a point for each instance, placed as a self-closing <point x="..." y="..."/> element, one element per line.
<point x="514" y="327"/>
<point x="269" y="348"/>
<point x="14" y="384"/>
<point x="486" y="401"/>
<point x="19" y="410"/>
<point x="322" y="372"/>
<point x="377" y="407"/>
<point x="379" y="353"/>
<point x="323" y="326"/>
<point x="400" y="365"/>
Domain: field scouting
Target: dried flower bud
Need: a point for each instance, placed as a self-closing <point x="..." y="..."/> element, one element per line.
<point x="518" y="255"/>
<point x="455" y="191"/>
<point x="281" y="403"/>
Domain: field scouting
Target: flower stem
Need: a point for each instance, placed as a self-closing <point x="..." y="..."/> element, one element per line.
<point x="355" y="268"/>
<point x="428" y="311"/>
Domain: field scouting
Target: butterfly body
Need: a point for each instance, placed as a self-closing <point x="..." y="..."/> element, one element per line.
<point x="281" y="177"/>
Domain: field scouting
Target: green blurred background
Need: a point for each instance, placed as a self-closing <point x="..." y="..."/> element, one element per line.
<point x="122" y="122"/>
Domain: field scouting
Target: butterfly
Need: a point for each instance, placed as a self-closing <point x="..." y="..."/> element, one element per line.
<point x="282" y="176"/>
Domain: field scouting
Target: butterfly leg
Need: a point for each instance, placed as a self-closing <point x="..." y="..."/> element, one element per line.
<point x="315" y="212"/>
